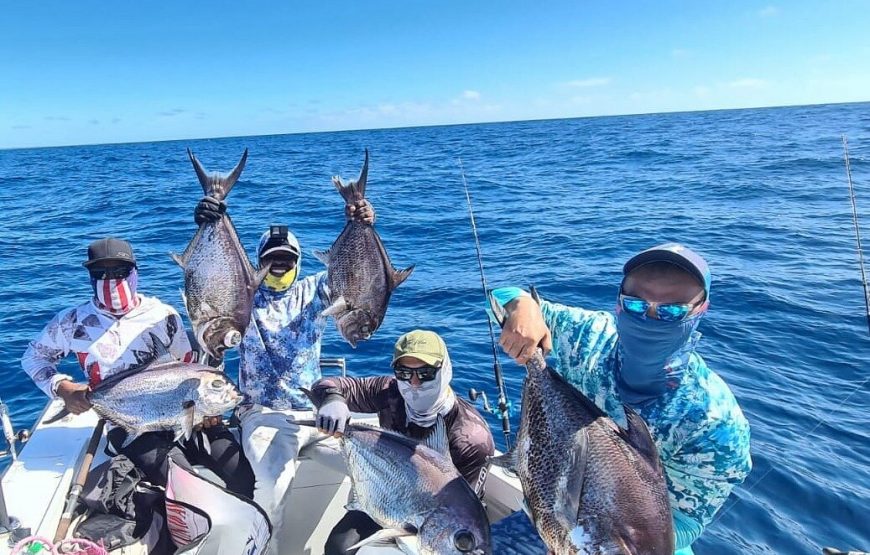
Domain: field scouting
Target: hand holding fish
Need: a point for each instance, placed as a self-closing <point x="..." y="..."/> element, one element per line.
<point x="208" y="209"/>
<point x="524" y="330"/>
<point x="361" y="211"/>
<point x="333" y="417"/>
<point x="74" y="396"/>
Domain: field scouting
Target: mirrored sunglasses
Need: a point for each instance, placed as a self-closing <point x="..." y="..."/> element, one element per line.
<point x="668" y="312"/>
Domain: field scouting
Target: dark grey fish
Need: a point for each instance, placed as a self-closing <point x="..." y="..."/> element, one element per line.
<point x="590" y="486"/>
<point x="361" y="276"/>
<point x="413" y="488"/>
<point x="219" y="280"/>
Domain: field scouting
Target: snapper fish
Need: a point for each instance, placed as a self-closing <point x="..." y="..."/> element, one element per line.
<point x="360" y="274"/>
<point x="590" y="487"/>
<point x="219" y="280"/>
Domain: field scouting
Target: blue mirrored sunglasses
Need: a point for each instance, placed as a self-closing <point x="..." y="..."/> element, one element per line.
<point x="668" y="312"/>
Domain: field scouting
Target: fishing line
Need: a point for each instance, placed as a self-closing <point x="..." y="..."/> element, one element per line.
<point x="854" y="390"/>
<point x="503" y="407"/>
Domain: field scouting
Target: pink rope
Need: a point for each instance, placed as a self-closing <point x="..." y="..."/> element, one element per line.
<point x="77" y="546"/>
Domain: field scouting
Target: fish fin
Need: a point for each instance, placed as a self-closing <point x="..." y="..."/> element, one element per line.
<point x="637" y="434"/>
<point x="187" y="421"/>
<point x="308" y="394"/>
<point x="498" y="310"/>
<point x="354" y="190"/>
<point x="575" y="478"/>
<point x="322" y="256"/>
<point x="216" y="185"/>
<point x="178" y="260"/>
<point x="261" y="275"/>
<point x="353" y="503"/>
<point x="506" y="460"/>
<point x="437" y="439"/>
<point x="385" y="535"/>
<point x="533" y="291"/>
<point x="399" y="276"/>
<point x="587" y="404"/>
<point x="160" y="350"/>
<point x="60" y="415"/>
<point x="338" y="306"/>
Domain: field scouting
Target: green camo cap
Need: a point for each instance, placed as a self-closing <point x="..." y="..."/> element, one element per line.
<point x="422" y="344"/>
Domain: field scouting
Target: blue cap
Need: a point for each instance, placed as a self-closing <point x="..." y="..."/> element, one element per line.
<point x="676" y="254"/>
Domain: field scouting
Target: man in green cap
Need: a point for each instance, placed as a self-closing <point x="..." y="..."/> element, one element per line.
<point x="408" y="402"/>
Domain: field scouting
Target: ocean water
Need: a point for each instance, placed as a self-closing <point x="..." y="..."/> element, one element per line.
<point x="560" y="204"/>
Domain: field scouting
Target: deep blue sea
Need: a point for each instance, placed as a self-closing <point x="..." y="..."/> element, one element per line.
<point x="560" y="204"/>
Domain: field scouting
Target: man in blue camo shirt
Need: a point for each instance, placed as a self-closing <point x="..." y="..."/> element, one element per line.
<point x="644" y="356"/>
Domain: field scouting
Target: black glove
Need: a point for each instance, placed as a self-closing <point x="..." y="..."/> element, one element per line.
<point x="209" y="209"/>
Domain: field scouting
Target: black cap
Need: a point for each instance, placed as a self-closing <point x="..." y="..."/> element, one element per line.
<point x="109" y="249"/>
<point x="676" y="254"/>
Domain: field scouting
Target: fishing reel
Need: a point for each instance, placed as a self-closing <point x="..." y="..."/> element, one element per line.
<point x="474" y="395"/>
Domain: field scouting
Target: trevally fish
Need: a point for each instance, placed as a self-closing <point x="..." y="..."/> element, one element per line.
<point x="589" y="485"/>
<point x="165" y="394"/>
<point x="219" y="280"/>
<point x="412" y="488"/>
<point x="361" y="276"/>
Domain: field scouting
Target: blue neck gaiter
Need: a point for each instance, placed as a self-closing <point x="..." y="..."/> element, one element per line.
<point x="645" y="346"/>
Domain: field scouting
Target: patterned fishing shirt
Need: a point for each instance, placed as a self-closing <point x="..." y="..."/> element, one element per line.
<point x="698" y="427"/>
<point x="280" y="351"/>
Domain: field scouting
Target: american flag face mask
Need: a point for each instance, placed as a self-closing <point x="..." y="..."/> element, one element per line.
<point x="117" y="296"/>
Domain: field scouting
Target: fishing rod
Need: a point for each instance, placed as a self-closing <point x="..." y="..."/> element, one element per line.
<point x="857" y="231"/>
<point x="503" y="410"/>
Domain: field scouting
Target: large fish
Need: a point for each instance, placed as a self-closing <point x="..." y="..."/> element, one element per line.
<point x="589" y="485"/>
<point x="361" y="277"/>
<point x="165" y="394"/>
<point x="412" y="488"/>
<point x="219" y="280"/>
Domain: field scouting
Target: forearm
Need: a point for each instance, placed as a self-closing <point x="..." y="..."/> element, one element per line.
<point x="40" y="363"/>
<point x="360" y="394"/>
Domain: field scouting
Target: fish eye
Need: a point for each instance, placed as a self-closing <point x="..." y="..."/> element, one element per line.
<point x="464" y="541"/>
<point x="217" y="383"/>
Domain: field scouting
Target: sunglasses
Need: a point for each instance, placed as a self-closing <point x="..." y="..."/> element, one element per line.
<point x="668" y="312"/>
<point x="424" y="373"/>
<point x="117" y="272"/>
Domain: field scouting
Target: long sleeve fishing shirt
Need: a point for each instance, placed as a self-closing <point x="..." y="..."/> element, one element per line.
<point x="280" y="351"/>
<point x="700" y="432"/>
<point x="104" y="343"/>
<point x="467" y="432"/>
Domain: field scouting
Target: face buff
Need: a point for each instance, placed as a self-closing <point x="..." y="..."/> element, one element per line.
<point x="645" y="346"/>
<point x="423" y="404"/>
<point x="117" y="296"/>
<point x="281" y="283"/>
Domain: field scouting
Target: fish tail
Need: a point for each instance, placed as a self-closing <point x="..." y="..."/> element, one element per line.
<point x="217" y="185"/>
<point x="354" y="190"/>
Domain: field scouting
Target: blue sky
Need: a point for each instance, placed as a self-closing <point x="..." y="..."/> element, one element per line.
<point x="103" y="72"/>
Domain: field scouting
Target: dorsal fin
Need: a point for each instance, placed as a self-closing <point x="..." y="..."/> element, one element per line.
<point x="397" y="277"/>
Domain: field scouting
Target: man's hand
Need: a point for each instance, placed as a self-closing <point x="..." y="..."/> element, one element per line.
<point x="74" y="396"/>
<point x="210" y="421"/>
<point x="208" y="209"/>
<point x="332" y="417"/>
<point x="361" y="211"/>
<point x="525" y="330"/>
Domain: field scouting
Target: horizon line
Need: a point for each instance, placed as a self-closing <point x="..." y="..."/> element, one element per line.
<point x="495" y="122"/>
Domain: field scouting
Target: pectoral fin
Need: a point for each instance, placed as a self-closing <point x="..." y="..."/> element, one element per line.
<point x="382" y="536"/>
<point x="337" y="307"/>
<point x="178" y="260"/>
<point x="399" y="276"/>
<point x="187" y="422"/>
<point x="322" y="256"/>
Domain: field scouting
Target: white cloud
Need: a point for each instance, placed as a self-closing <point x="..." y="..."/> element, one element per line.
<point x="748" y="83"/>
<point x="471" y="95"/>
<point x="769" y="11"/>
<point x="590" y="82"/>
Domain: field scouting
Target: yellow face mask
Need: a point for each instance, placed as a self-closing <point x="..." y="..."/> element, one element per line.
<point x="281" y="283"/>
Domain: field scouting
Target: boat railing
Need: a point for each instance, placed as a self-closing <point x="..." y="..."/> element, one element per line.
<point x="338" y="362"/>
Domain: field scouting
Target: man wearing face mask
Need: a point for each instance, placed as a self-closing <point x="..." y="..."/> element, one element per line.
<point x="279" y="354"/>
<point x="645" y="357"/>
<point x="408" y="402"/>
<point x="113" y="332"/>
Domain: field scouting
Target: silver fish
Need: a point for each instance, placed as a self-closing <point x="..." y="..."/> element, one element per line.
<point x="589" y="485"/>
<point x="413" y="488"/>
<point x="361" y="276"/>
<point x="219" y="280"/>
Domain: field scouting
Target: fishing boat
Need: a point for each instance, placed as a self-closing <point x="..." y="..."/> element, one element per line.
<point x="37" y="483"/>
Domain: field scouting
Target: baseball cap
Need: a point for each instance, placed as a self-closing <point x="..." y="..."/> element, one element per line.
<point x="422" y="344"/>
<point x="109" y="249"/>
<point x="676" y="254"/>
<point x="279" y="239"/>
